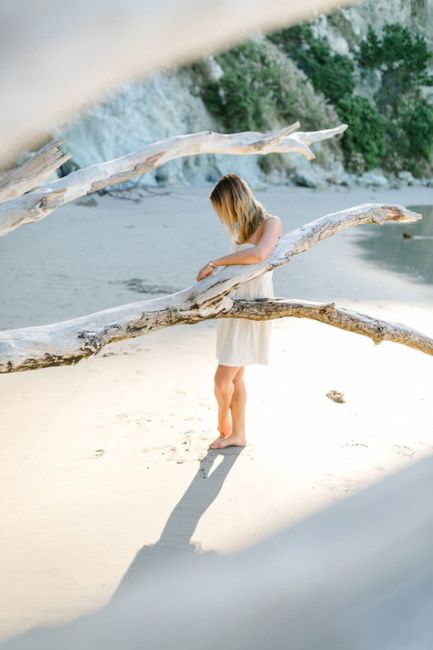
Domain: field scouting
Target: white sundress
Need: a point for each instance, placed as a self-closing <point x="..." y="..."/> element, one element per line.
<point x="243" y="341"/>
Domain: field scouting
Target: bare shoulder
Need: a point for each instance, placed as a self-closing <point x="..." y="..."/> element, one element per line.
<point x="272" y="218"/>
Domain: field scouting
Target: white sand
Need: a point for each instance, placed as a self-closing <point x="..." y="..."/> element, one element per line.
<point x="95" y="458"/>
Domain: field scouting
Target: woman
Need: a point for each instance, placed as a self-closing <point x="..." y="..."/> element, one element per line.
<point x="240" y="341"/>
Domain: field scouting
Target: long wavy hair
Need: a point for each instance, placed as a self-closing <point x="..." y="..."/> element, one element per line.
<point x="236" y="206"/>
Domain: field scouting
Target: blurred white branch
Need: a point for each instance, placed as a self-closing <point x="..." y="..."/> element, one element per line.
<point x="36" y="205"/>
<point x="58" y="58"/>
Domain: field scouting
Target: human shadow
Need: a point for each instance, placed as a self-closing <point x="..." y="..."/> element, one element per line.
<point x="173" y="546"/>
<point x="175" y="540"/>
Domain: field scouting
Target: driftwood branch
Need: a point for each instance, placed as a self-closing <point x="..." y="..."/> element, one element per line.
<point x="70" y="341"/>
<point x="377" y="329"/>
<point x="34" y="171"/>
<point x="38" y="204"/>
<point x="111" y="36"/>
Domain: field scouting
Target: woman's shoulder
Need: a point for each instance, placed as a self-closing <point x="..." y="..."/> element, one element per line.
<point x="273" y="216"/>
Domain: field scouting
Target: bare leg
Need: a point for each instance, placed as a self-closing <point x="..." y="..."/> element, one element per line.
<point x="236" y="436"/>
<point x="223" y="390"/>
<point x="238" y="404"/>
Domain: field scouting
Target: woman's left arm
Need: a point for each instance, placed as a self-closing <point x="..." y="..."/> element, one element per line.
<point x="271" y="233"/>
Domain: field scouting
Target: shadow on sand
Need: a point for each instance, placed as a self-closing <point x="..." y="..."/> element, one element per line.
<point x="173" y="547"/>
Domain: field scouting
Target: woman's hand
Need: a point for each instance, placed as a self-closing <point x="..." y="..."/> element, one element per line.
<point x="204" y="272"/>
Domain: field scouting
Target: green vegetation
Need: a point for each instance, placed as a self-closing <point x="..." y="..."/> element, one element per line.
<point x="395" y="130"/>
<point x="242" y="96"/>
<point x="330" y="73"/>
<point x="261" y="89"/>
<point x="366" y="134"/>
<point x="403" y="60"/>
<point x="294" y="75"/>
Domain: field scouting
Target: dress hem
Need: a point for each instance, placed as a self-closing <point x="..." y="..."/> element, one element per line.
<point x="242" y="364"/>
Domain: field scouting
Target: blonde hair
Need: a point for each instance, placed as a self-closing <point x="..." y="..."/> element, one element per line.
<point x="237" y="207"/>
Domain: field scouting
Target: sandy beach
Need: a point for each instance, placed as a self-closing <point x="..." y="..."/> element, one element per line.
<point x="100" y="460"/>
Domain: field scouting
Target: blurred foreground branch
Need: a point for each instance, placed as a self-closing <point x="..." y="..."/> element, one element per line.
<point x="355" y="575"/>
<point x="60" y="58"/>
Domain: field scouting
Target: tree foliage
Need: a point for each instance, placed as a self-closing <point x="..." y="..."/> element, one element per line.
<point x="330" y="73"/>
<point x="367" y="132"/>
<point x="395" y="129"/>
<point x="392" y="129"/>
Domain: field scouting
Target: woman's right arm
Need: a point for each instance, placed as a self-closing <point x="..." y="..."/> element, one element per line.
<point x="246" y="256"/>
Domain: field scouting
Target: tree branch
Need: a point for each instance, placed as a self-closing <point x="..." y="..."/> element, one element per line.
<point x="38" y="204"/>
<point x="70" y="341"/>
<point x="352" y="321"/>
<point x="34" y="171"/>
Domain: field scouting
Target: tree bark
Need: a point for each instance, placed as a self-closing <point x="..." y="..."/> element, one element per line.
<point x="376" y="329"/>
<point x="68" y="342"/>
<point x="38" y="204"/>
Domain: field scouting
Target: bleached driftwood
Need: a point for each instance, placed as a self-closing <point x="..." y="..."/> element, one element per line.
<point x="38" y="204"/>
<point x="34" y="171"/>
<point x="45" y="80"/>
<point x="377" y="329"/>
<point x="70" y="341"/>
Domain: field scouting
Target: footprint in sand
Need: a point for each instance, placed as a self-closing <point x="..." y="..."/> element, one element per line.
<point x="403" y="450"/>
<point x="336" y="484"/>
<point x="75" y="463"/>
<point x="354" y="443"/>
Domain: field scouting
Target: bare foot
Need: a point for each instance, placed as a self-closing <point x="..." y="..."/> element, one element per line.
<point x="235" y="439"/>
<point x="225" y="424"/>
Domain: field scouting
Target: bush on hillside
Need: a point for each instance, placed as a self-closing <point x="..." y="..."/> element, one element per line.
<point x="331" y="74"/>
<point x="366" y="132"/>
